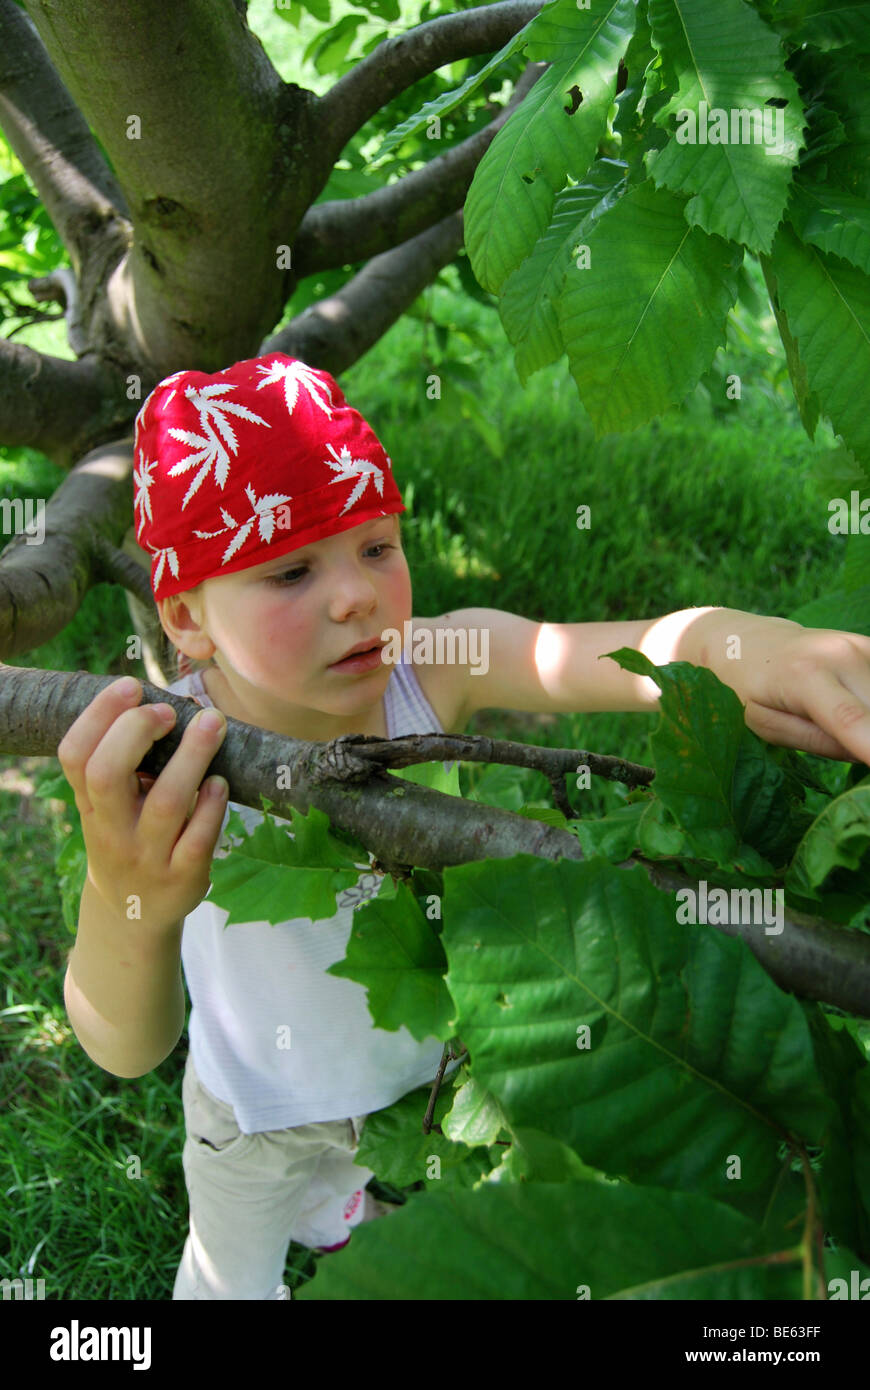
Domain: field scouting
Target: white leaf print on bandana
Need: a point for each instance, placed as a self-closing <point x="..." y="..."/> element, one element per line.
<point x="211" y="450"/>
<point x="263" y="513"/>
<point x="162" y="557"/>
<point x="349" y="467"/>
<point x="143" y="482"/>
<point x="294" y="375"/>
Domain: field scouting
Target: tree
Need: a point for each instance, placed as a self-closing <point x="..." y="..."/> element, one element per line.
<point x="585" y="174"/>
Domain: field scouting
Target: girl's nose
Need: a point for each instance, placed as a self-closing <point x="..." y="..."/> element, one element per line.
<point x="354" y="593"/>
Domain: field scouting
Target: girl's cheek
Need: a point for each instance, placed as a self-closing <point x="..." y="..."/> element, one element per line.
<point x="282" y="627"/>
<point x="399" y="589"/>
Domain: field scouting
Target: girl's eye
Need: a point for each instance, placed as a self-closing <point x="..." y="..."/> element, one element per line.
<point x="289" y="577"/>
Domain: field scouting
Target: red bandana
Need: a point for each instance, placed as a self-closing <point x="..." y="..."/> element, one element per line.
<point x="238" y="468"/>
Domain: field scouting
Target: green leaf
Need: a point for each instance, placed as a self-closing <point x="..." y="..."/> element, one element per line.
<point x="71" y="859"/>
<point x="329" y="49"/>
<point x="825" y="132"/>
<point x="764" y="800"/>
<point x="55" y="787"/>
<point x="842" y="1267"/>
<point x="497" y="784"/>
<point x="838" y="471"/>
<point x="688" y="1035"/>
<point x="393" y="951"/>
<point x="833" y="220"/>
<point x="548" y="814"/>
<point x="511" y="196"/>
<point x="374" y="41"/>
<point x="806" y="399"/>
<point x="646" y="827"/>
<point x="844" y="1181"/>
<point x="254" y="882"/>
<point x="828" y="306"/>
<point x="291" y="12"/>
<point x="845" y="610"/>
<point x="726" y="57"/>
<point x="516" y="1242"/>
<point x="71" y="867"/>
<point x="526" y="305"/>
<point x="537" y="1157"/>
<point x="448" y="101"/>
<point x="394" y="1146"/>
<point x="652" y="284"/>
<point x="318" y="8"/>
<point x="439" y="777"/>
<point x="639" y="100"/>
<point x="615" y="836"/>
<point x="843" y="86"/>
<point x="659" y="836"/>
<point x="475" y="1117"/>
<point x="856" y="565"/>
<point x="713" y="773"/>
<point x="838" y="838"/>
<point x="827" y="25"/>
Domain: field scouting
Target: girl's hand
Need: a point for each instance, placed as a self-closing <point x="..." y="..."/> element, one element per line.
<point x="806" y="688"/>
<point x="155" y="842"/>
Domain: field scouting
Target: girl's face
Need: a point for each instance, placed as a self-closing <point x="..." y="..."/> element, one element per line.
<point x="275" y="630"/>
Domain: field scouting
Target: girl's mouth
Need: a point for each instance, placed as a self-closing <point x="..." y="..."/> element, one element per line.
<point x="360" y="661"/>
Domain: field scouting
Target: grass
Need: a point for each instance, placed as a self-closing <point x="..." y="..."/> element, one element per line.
<point x="692" y="510"/>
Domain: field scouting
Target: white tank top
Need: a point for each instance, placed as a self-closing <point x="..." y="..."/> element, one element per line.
<point x="250" y="983"/>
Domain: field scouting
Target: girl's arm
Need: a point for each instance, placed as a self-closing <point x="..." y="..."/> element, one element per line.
<point x="805" y="688"/>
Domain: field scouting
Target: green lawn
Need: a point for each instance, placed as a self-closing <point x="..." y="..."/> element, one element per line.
<point x="697" y="509"/>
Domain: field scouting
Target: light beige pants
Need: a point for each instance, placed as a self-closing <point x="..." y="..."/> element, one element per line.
<point x="251" y="1194"/>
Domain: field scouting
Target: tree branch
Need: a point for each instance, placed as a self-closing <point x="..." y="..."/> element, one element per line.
<point x="51" y="138"/>
<point x="60" y="407"/>
<point x="112" y="565"/>
<point x="404" y="824"/>
<point x="338" y="330"/>
<point x="60" y="287"/>
<point x="554" y="763"/>
<point x="399" y="62"/>
<point x="352" y="229"/>
<point x="42" y="585"/>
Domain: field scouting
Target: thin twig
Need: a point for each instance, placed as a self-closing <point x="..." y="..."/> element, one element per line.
<point x="448" y="1056"/>
<point x="436" y="1086"/>
<point x="554" y="763"/>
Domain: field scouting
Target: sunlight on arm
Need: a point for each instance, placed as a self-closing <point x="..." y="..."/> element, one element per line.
<point x="661" y="642"/>
<point x="565" y="655"/>
<point x="550" y="656"/>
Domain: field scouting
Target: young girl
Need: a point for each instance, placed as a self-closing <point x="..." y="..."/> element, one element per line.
<point x="270" y="511"/>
